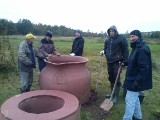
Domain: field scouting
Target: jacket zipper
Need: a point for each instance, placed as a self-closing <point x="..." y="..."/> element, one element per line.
<point x="110" y="49"/>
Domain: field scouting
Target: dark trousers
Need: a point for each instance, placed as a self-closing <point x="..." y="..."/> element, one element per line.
<point x="41" y="64"/>
<point x="112" y="72"/>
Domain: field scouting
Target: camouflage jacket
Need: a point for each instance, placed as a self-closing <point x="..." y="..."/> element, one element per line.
<point x="24" y="57"/>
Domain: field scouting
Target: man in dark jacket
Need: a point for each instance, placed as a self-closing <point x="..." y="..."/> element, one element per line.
<point x="138" y="75"/>
<point x="46" y="49"/>
<point x="78" y="44"/>
<point x="115" y="50"/>
<point x="26" y="62"/>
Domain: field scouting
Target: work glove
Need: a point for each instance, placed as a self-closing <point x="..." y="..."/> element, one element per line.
<point x="102" y="52"/>
<point x="136" y="85"/>
<point x="72" y="54"/>
<point x="58" y="54"/>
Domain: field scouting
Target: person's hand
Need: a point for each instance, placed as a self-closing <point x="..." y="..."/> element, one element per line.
<point x="102" y="52"/>
<point x="32" y="65"/>
<point x="136" y="85"/>
<point x="49" y="55"/>
<point x="58" y="54"/>
<point x="72" y="54"/>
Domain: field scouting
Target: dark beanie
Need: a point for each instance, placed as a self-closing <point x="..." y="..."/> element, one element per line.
<point x="78" y="31"/>
<point x="49" y="34"/>
<point x="137" y="33"/>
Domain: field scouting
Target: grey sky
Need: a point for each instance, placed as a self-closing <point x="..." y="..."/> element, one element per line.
<point x="95" y="15"/>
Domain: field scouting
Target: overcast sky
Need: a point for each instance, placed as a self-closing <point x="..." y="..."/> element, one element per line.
<point x="95" y="15"/>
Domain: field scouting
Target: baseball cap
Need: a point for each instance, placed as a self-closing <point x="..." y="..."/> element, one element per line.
<point x="30" y="35"/>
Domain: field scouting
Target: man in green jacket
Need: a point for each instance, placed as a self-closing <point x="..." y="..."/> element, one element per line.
<point x="26" y="62"/>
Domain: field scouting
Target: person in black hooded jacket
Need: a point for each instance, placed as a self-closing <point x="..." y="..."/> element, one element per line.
<point x="115" y="50"/>
<point x="78" y="44"/>
<point x="138" y="75"/>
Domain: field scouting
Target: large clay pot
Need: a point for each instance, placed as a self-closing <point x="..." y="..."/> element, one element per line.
<point x="69" y="74"/>
<point x="41" y="105"/>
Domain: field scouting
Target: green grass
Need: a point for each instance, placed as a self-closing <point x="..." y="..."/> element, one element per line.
<point x="9" y="85"/>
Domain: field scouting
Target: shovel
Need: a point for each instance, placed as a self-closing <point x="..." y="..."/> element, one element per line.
<point x="107" y="103"/>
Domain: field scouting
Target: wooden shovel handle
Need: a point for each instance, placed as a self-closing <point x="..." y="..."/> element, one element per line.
<point x="118" y="75"/>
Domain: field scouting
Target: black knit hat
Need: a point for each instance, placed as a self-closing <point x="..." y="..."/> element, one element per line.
<point x="49" y="34"/>
<point x="136" y="32"/>
<point x="78" y="31"/>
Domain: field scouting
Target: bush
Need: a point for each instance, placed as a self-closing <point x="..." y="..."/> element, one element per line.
<point x="7" y="61"/>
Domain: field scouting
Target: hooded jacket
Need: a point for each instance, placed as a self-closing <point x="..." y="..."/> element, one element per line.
<point x="116" y="48"/>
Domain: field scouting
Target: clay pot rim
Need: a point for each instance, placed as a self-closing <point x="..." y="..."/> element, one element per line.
<point x="10" y="110"/>
<point x="84" y="60"/>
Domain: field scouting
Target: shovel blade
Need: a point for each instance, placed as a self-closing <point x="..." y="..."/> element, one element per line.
<point x="106" y="105"/>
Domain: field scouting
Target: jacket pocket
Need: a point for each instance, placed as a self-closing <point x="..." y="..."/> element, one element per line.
<point x="131" y="78"/>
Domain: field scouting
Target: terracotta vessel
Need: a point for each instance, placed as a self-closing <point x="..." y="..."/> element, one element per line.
<point x="69" y="74"/>
<point x="33" y="106"/>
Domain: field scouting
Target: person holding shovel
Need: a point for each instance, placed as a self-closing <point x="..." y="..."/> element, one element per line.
<point x="138" y="75"/>
<point x="46" y="49"/>
<point x="115" y="50"/>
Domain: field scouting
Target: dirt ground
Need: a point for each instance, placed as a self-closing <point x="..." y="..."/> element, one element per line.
<point x="93" y="107"/>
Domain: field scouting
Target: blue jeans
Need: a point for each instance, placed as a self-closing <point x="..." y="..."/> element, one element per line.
<point x="133" y="107"/>
<point x="26" y="79"/>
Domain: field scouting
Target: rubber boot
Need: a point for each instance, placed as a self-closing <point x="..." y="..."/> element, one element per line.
<point x="116" y="95"/>
<point x="109" y="95"/>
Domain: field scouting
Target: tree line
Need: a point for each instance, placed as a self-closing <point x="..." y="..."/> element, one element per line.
<point x="24" y="26"/>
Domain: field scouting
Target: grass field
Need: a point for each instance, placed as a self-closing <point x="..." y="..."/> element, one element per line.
<point x="9" y="85"/>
